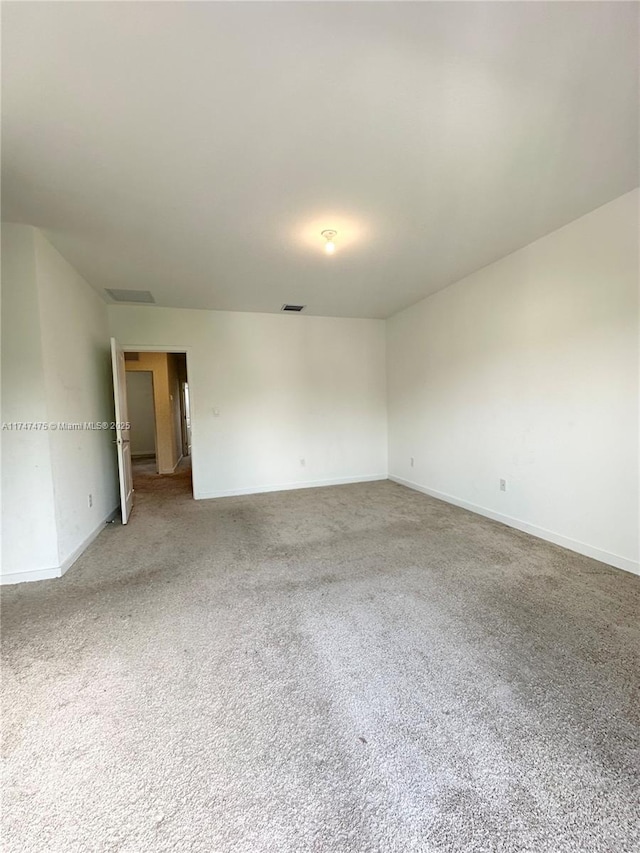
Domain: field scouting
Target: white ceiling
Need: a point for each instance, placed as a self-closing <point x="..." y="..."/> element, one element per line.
<point x="197" y="150"/>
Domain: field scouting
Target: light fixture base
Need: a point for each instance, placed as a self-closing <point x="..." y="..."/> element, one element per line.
<point x="328" y="234"/>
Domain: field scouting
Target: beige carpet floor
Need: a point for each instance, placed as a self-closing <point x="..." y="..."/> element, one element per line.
<point x="355" y="669"/>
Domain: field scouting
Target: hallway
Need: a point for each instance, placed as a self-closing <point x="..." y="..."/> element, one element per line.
<point x="147" y="481"/>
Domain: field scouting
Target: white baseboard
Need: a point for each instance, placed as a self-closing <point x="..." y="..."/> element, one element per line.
<point x="285" y="487"/>
<point x="70" y="560"/>
<point x="540" y="532"/>
<point x="34" y="575"/>
<point x="65" y="565"/>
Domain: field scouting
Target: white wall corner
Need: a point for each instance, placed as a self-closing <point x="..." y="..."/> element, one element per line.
<point x="65" y="565"/>
<point x="68" y="561"/>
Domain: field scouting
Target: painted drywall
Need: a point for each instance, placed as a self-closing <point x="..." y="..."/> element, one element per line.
<point x="527" y="371"/>
<point x="268" y="391"/>
<point x="167" y="440"/>
<point x="78" y="381"/>
<point x="29" y="536"/>
<point x="141" y="412"/>
<point x="55" y="369"/>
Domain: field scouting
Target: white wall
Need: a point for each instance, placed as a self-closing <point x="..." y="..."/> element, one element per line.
<point x="528" y="370"/>
<point x="141" y="412"/>
<point x="29" y="536"/>
<point x="55" y="368"/>
<point x="285" y="389"/>
<point x="78" y="381"/>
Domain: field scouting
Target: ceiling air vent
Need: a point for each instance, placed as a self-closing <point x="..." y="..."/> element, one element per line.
<point x="130" y="295"/>
<point x="293" y="309"/>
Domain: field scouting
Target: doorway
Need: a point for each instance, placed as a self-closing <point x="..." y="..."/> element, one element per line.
<point x="142" y="415"/>
<point x="160" y="418"/>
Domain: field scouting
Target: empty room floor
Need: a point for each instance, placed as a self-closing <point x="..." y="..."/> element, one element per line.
<point x="354" y="668"/>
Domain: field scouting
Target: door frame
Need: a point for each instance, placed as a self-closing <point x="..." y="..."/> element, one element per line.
<point x="185" y="422"/>
<point x="122" y="430"/>
<point x="188" y="351"/>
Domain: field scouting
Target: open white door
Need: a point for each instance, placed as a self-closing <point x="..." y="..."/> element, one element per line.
<point x="122" y="439"/>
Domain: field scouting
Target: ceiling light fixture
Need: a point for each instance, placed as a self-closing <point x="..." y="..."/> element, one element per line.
<point x="329" y="234"/>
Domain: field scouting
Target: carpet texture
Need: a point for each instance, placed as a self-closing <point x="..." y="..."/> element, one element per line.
<point x="353" y="669"/>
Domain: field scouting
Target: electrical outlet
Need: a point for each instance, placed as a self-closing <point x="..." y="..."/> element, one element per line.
<point x="90" y="501"/>
<point x="412" y="461"/>
<point x="303" y="462"/>
<point x="503" y="485"/>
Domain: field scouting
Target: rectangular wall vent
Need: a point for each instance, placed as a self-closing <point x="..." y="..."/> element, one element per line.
<point x="295" y="309"/>
<point x="130" y="295"/>
<point x="132" y="356"/>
